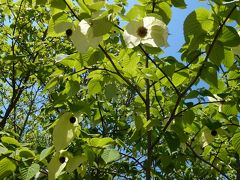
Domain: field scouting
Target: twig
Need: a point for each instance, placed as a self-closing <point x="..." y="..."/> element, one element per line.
<point x="203" y="160"/>
<point x="121" y="76"/>
<point x="174" y="87"/>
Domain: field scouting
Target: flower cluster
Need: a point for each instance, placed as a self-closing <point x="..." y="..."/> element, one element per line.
<point x="149" y="31"/>
<point x="81" y="35"/>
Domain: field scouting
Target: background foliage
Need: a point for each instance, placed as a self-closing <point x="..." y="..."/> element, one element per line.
<point x="115" y="112"/>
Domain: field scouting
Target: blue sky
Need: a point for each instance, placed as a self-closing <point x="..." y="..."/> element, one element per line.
<point x="176" y="38"/>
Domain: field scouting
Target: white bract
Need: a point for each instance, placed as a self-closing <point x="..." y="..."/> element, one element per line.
<point x="81" y="35"/>
<point x="149" y="31"/>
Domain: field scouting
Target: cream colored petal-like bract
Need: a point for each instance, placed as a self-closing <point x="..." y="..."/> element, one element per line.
<point x="130" y="34"/>
<point x="64" y="131"/>
<point x="80" y="41"/>
<point x="94" y="42"/>
<point x="84" y="27"/>
<point x="159" y="35"/>
<point x="55" y="167"/>
<point x="62" y="27"/>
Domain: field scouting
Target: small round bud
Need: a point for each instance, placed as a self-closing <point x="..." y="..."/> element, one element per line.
<point x="62" y="160"/>
<point x="69" y="32"/>
<point x="213" y="132"/>
<point x="72" y="120"/>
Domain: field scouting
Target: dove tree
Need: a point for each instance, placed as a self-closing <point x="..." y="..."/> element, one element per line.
<point x="88" y="93"/>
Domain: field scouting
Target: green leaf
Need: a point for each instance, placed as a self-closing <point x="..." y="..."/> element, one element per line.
<point x="80" y="106"/>
<point x="26" y="153"/>
<point x="51" y="84"/>
<point x="228" y="59"/>
<point x="94" y="87"/>
<point x="135" y="12"/>
<point x="230" y="108"/>
<point x="110" y="155"/>
<point x="7" y="167"/>
<point x="64" y="131"/>
<point x="188" y="117"/>
<point x="172" y="141"/>
<point x="100" y="142"/>
<point x="197" y="23"/>
<point x="83" y="6"/>
<point x="110" y="91"/>
<point x="95" y="5"/>
<point x="164" y="10"/>
<point x="3" y="150"/>
<point x="149" y="73"/>
<point x="229" y="37"/>
<point x="71" y="88"/>
<point x="101" y="26"/>
<point x="32" y="171"/>
<point x="179" y="4"/>
<point x="10" y="140"/>
<point x="41" y="2"/>
<point x="209" y="75"/>
<point x="236" y="142"/>
<point x="179" y="77"/>
<point x="72" y="63"/>
<point x="45" y="153"/>
<point x="220" y="54"/>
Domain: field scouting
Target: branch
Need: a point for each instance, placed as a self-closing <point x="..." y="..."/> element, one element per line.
<point x="74" y="14"/>
<point x="199" y="103"/>
<point x="121" y="76"/>
<point x="137" y="161"/>
<point x="102" y="119"/>
<point x="203" y="160"/>
<point x="159" y="103"/>
<point x="181" y="95"/>
<point x="165" y="75"/>
<point x="209" y="50"/>
<point x="149" y="133"/>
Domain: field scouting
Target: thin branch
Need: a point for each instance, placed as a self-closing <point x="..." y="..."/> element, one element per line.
<point x="159" y="103"/>
<point x="131" y="157"/>
<point x="74" y="14"/>
<point x="180" y="96"/>
<point x="199" y="103"/>
<point x="216" y="155"/>
<point x="206" y="162"/>
<point x="170" y="81"/>
<point x="153" y="5"/>
<point x="102" y="119"/>
<point x="121" y="76"/>
<point x="149" y="133"/>
<point x="209" y="51"/>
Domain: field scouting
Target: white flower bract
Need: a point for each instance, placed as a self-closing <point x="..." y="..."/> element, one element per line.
<point x="149" y="31"/>
<point x="81" y="36"/>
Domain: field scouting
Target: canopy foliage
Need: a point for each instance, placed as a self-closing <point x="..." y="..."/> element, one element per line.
<point x="87" y="92"/>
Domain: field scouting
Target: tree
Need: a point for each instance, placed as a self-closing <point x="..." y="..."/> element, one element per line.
<point x="85" y="94"/>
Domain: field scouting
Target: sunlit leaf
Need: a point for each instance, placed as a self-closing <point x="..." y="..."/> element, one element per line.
<point x="110" y="155"/>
